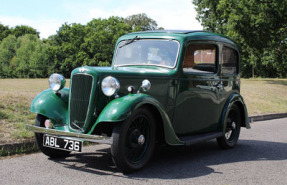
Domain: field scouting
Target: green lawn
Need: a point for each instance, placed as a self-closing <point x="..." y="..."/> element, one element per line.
<point x="262" y="96"/>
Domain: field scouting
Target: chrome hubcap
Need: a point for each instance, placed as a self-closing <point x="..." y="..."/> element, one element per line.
<point x="141" y="140"/>
<point x="233" y="125"/>
<point x="228" y="133"/>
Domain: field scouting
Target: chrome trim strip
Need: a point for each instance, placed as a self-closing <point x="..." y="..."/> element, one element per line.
<point x="85" y="137"/>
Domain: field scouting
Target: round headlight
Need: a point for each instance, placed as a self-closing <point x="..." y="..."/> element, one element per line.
<point x="110" y="86"/>
<point x="57" y="82"/>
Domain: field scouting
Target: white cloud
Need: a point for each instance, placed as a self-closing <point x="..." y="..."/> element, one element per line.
<point x="46" y="27"/>
<point x="97" y="13"/>
<point x="169" y="14"/>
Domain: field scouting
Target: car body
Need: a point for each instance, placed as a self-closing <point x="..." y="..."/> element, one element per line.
<point x="172" y="87"/>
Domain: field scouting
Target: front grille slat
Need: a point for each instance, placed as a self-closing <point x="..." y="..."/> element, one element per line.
<point x="80" y="100"/>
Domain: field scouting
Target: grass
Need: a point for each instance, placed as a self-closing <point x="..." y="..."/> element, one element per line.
<point x="262" y="96"/>
<point x="265" y="96"/>
<point x="16" y="96"/>
<point x="18" y="149"/>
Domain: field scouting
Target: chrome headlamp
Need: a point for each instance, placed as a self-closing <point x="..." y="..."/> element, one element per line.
<point x="146" y="85"/>
<point x="110" y="86"/>
<point x="57" y="82"/>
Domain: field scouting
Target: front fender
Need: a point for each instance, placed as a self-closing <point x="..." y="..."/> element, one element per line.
<point x="52" y="105"/>
<point x="238" y="100"/>
<point x="121" y="108"/>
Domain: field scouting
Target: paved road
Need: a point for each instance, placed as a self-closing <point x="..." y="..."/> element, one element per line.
<point x="259" y="158"/>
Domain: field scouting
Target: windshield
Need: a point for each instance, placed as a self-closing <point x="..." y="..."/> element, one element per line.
<point x="147" y="52"/>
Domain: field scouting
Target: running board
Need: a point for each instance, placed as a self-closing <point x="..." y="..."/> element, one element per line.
<point x="189" y="140"/>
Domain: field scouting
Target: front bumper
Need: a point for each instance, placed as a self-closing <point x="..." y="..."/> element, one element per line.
<point x="85" y="137"/>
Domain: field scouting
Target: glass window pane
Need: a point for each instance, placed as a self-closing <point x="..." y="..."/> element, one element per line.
<point x="200" y="58"/>
<point x="229" y="61"/>
<point x="147" y="52"/>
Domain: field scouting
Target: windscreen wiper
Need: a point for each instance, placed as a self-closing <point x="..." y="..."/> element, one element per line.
<point x="130" y="41"/>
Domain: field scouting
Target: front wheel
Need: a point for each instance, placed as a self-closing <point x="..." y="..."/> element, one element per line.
<point x="53" y="153"/>
<point x="134" y="141"/>
<point x="232" y="129"/>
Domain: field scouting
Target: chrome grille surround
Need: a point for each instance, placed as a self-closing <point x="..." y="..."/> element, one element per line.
<point x="80" y="101"/>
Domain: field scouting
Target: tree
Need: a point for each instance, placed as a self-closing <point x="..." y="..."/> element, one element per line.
<point x="4" y="31"/>
<point x="258" y="26"/>
<point x="141" y="22"/>
<point x="101" y="38"/>
<point x="22" y="30"/>
<point x="75" y="45"/>
<point x="30" y="60"/>
<point x="7" y="52"/>
<point x="23" y="54"/>
<point x="64" y="47"/>
<point x="25" y="57"/>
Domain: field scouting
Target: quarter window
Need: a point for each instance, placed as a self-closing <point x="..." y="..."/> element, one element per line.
<point x="200" y="58"/>
<point x="229" y="61"/>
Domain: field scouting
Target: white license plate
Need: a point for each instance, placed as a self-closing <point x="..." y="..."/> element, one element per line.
<point x="62" y="143"/>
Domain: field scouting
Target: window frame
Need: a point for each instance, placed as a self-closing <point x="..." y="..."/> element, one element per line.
<point x="114" y="64"/>
<point x="216" y="62"/>
<point x="237" y="62"/>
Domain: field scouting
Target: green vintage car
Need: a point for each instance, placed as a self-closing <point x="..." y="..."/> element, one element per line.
<point x="164" y="87"/>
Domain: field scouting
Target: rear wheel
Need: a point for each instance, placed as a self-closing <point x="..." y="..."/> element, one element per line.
<point x="232" y="130"/>
<point x="134" y="141"/>
<point x="53" y="153"/>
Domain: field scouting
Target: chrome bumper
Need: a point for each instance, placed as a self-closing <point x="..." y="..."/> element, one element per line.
<point x="85" y="137"/>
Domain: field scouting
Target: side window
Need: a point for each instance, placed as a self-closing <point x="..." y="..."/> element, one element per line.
<point x="229" y="61"/>
<point x="200" y="58"/>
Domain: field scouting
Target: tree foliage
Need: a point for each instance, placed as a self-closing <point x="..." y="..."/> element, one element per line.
<point x="24" y="55"/>
<point x="22" y="30"/>
<point x="141" y="22"/>
<point x="7" y="52"/>
<point x="75" y="45"/>
<point x="258" y="26"/>
<point x="4" y="31"/>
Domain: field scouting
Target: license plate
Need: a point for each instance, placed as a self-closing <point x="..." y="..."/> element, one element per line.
<point x="62" y="143"/>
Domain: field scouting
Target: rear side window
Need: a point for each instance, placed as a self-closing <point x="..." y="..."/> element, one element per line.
<point x="229" y="61"/>
<point x="200" y="58"/>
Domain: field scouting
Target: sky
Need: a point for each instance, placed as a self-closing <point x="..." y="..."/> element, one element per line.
<point x="46" y="16"/>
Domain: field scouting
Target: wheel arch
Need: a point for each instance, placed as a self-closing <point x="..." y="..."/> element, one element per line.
<point x="243" y="113"/>
<point x="235" y="99"/>
<point x="160" y="135"/>
<point x="51" y="105"/>
<point x="120" y="109"/>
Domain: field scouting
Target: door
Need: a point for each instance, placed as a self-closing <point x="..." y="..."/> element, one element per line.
<point x="229" y="73"/>
<point x="197" y="105"/>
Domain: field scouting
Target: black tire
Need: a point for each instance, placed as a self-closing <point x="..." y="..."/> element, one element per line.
<point x="53" y="153"/>
<point x="232" y="130"/>
<point x="134" y="141"/>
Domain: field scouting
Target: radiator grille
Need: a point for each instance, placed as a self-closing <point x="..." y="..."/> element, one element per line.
<point x="80" y="100"/>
